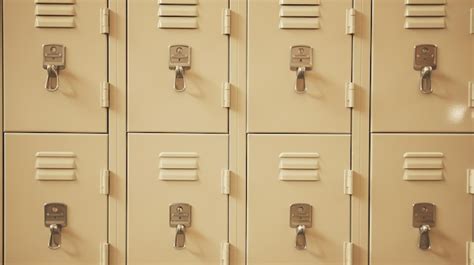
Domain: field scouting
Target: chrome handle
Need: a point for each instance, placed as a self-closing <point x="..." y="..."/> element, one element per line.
<point x="300" y="237"/>
<point x="180" y="238"/>
<point x="300" y="86"/>
<point x="179" y="83"/>
<point x="425" y="242"/>
<point x="52" y="79"/>
<point x="54" y="237"/>
<point x="425" y="83"/>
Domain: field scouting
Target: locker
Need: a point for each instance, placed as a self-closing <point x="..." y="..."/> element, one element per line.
<point x="178" y="66"/>
<point x="59" y="41"/>
<point x="420" y="168"/>
<point x="166" y="172"/>
<point x="279" y="61"/>
<point x="54" y="211"/>
<point x="398" y="101"/>
<point x="301" y="170"/>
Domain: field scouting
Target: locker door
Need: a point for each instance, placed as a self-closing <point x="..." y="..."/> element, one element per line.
<point x="398" y="103"/>
<point x="167" y="171"/>
<point x="45" y="169"/>
<point x="274" y="105"/>
<point x="78" y="59"/>
<point x="416" y="168"/>
<point x="163" y="36"/>
<point x="297" y="169"/>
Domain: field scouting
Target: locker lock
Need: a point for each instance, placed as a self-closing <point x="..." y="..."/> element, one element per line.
<point x="301" y="217"/>
<point x="301" y="60"/>
<point x="425" y="62"/>
<point x="54" y="56"/>
<point x="179" y="61"/>
<point x="55" y="218"/>
<point x="424" y="215"/>
<point x="180" y="217"/>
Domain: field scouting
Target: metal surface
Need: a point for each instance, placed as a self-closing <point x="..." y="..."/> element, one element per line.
<point x="180" y="217"/>
<point x="179" y="61"/>
<point x="425" y="62"/>
<point x="55" y="218"/>
<point x="301" y="60"/>
<point x="301" y="217"/>
<point x="54" y="59"/>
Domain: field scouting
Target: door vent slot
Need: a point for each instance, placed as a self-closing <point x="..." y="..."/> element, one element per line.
<point x="178" y="14"/>
<point x="179" y="166"/>
<point x="55" y="14"/>
<point x="299" y="14"/>
<point x="425" y="14"/>
<point x="55" y="166"/>
<point x="423" y="166"/>
<point x="299" y="167"/>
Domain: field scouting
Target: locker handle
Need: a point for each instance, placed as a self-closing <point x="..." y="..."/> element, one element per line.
<point x="300" y="237"/>
<point x="300" y="86"/>
<point x="180" y="238"/>
<point x="52" y="79"/>
<point x="425" y="83"/>
<point x="54" y="237"/>
<point x="425" y="242"/>
<point x="54" y="59"/>
<point x="179" y="82"/>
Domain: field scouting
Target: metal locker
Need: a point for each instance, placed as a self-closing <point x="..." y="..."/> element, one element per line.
<point x="55" y="66"/>
<point x="177" y="211"/>
<point x="298" y="212"/>
<point x="178" y="66"/>
<point x="421" y="212"/>
<point x="299" y="66"/>
<point x="422" y="66"/>
<point x="55" y="212"/>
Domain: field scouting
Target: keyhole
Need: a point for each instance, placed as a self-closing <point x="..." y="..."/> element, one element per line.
<point x="53" y="49"/>
<point x="54" y="209"/>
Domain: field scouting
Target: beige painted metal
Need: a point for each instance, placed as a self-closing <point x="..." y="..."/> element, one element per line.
<point x="270" y="238"/>
<point x="150" y="237"/>
<point x="273" y="105"/>
<point x="154" y="105"/>
<point x="75" y="107"/>
<point x="397" y="103"/>
<point x="394" y="240"/>
<point x="26" y="237"/>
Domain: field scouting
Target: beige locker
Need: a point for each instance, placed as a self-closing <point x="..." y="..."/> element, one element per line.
<point x="154" y="102"/>
<point x="76" y="104"/>
<point x="297" y="169"/>
<point x="274" y="105"/>
<point x="398" y="104"/>
<point x="420" y="168"/>
<point x="169" y="169"/>
<point x="55" y="168"/>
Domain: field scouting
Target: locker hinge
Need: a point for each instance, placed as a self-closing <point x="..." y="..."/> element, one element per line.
<point x="104" y="21"/>
<point x="470" y="181"/>
<point x="104" y="182"/>
<point x="348" y="246"/>
<point x="104" y="254"/>
<point x="225" y="183"/>
<point x="104" y="94"/>
<point x="471" y="94"/>
<point x="350" y="21"/>
<point x="471" y="28"/>
<point x="226" y="15"/>
<point x="226" y="95"/>
<point x="470" y="253"/>
<point x="348" y="181"/>
<point x="225" y="248"/>
<point x="350" y="95"/>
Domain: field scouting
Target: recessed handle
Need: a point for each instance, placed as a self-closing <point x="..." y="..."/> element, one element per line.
<point x="180" y="238"/>
<point x="425" y="242"/>
<point x="300" y="237"/>
<point x="179" y="82"/>
<point x="54" y="237"/>
<point x="425" y="82"/>
<point x="300" y="86"/>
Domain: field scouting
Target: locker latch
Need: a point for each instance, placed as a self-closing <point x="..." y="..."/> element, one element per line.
<point x="425" y="62"/>
<point x="55" y="218"/>
<point x="54" y="56"/>
<point x="180" y="217"/>
<point x="301" y="217"/>
<point x="301" y="60"/>
<point x="424" y="215"/>
<point x="180" y="60"/>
